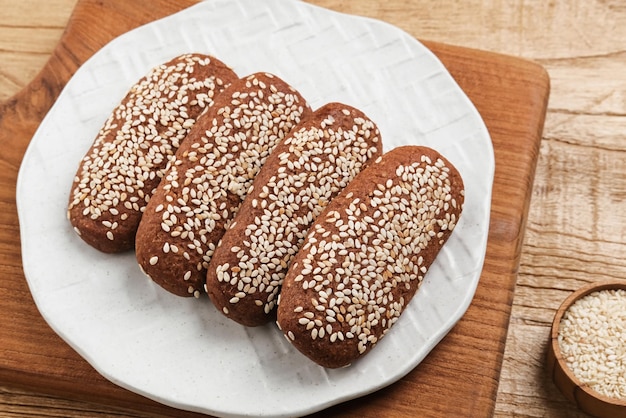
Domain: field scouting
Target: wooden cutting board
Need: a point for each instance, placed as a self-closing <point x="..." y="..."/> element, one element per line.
<point x="458" y="378"/>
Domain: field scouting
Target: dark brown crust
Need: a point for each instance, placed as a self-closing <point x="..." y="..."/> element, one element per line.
<point x="257" y="306"/>
<point x="296" y="302"/>
<point x="119" y="220"/>
<point x="199" y="177"/>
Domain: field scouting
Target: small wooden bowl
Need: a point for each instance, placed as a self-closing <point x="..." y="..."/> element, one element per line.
<point x="587" y="399"/>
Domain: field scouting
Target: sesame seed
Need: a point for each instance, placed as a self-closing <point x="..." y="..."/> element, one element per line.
<point x="591" y="340"/>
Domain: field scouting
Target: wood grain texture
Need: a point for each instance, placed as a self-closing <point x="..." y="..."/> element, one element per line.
<point x="28" y="34"/>
<point x="576" y="227"/>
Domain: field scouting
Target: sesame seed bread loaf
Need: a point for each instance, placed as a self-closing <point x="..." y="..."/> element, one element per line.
<point x="302" y="175"/>
<point x="124" y="165"/>
<point x="209" y="178"/>
<point x="365" y="256"/>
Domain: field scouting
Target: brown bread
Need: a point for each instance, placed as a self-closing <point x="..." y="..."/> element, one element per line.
<point x="120" y="171"/>
<point x="367" y="253"/>
<point x="209" y="178"/>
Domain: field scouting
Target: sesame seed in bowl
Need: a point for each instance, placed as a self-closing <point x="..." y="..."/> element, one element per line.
<point x="587" y="349"/>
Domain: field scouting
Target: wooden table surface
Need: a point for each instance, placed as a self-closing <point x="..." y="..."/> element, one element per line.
<point x="576" y="229"/>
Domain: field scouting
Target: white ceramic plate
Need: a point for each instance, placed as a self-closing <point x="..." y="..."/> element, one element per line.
<point x="180" y="351"/>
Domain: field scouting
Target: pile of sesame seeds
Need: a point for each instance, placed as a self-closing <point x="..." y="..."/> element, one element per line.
<point x="116" y="178"/>
<point x="311" y="167"/>
<point x="592" y="340"/>
<point x="364" y="258"/>
<point x="210" y="176"/>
